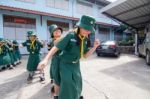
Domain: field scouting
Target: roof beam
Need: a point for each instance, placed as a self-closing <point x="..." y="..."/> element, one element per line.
<point x="137" y="17"/>
<point x="118" y="20"/>
<point x="129" y="10"/>
<point x="144" y="22"/>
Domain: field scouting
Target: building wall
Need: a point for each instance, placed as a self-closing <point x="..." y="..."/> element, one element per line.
<point x="41" y="21"/>
<point x="76" y="8"/>
<point x="1" y="25"/>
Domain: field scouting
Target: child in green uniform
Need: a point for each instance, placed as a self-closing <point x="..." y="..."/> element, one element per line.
<point x="11" y="52"/>
<point x="33" y="47"/>
<point x="74" y="47"/>
<point x="54" y="68"/>
<point x="16" y="51"/>
<point x="4" y="55"/>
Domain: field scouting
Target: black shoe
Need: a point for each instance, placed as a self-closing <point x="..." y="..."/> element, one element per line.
<point x="81" y="97"/>
<point x="55" y="97"/>
<point x="52" y="81"/>
<point x="14" y="65"/>
<point x="10" y="67"/>
<point x="30" y="78"/>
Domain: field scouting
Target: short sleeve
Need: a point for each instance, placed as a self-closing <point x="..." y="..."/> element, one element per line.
<point x="24" y="43"/>
<point x="62" y="44"/>
<point x="41" y="44"/>
<point x="86" y="48"/>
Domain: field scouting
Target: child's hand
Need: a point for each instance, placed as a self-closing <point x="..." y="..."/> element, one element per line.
<point x="42" y="65"/>
<point x="96" y="43"/>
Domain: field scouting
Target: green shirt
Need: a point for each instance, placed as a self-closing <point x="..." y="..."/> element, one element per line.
<point x="5" y="50"/>
<point x="37" y="46"/>
<point x="70" y="48"/>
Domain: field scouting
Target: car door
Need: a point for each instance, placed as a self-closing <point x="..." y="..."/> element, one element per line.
<point x="141" y="48"/>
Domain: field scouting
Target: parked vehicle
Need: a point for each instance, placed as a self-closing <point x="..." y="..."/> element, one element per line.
<point x="144" y="48"/>
<point x="108" y="48"/>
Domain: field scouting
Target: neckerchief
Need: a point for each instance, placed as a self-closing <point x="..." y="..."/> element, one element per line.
<point x="82" y="46"/>
<point x="32" y="45"/>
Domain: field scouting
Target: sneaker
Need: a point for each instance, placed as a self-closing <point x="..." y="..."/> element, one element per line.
<point x="10" y="67"/>
<point x="42" y="78"/>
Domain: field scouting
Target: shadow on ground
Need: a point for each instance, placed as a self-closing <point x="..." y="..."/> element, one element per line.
<point x="12" y="85"/>
<point x="135" y="72"/>
<point x="43" y="93"/>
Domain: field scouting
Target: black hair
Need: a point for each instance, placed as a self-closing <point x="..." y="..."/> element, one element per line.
<point x="79" y="40"/>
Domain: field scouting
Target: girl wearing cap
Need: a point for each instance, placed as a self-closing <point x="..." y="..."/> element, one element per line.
<point x="4" y="55"/>
<point x="16" y="51"/>
<point x="74" y="47"/>
<point x="55" y="32"/>
<point x="33" y="47"/>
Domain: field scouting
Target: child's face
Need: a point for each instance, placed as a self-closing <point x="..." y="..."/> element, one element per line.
<point x="84" y="32"/>
<point x="57" y="33"/>
<point x="32" y="37"/>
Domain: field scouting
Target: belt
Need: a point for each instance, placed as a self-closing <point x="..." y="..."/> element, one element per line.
<point x="34" y="53"/>
<point x="70" y="62"/>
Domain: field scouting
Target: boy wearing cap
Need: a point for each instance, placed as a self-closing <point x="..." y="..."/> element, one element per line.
<point x="74" y="46"/>
<point x="33" y="47"/>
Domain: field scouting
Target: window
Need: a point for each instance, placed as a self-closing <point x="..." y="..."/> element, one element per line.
<point x="84" y="8"/>
<point x="29" y="1"/>
<point x="17" y="27"/>
<point x="104" y="33"/>
<point x="118" y="36"/>
<point x="60" y="4"/>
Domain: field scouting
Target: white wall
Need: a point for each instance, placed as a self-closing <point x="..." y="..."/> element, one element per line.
<point x="1" y="25"/>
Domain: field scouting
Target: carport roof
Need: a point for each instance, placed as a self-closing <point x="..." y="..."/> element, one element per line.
<point x="135" y="13"/>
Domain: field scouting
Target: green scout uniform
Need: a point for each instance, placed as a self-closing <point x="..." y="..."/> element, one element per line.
<point x="34" y="53"/>
<point x="54" y="68"/>
<point x="4" y="55"/>
<point x="16" y="50"/>
<point x="11" y="53"/>
<point x="71" y="79"/>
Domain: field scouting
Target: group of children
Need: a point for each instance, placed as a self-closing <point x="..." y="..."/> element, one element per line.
<point x="9" y="54"/>
<point x="65" y="54"/>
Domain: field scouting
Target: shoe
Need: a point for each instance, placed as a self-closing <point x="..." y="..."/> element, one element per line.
<point x="30" y="78"/>
<point x="55" y="97"/>
<point x="42" y="78"/>
<point x="52" y="81"/>
<point x="14" y="65"/>
<point x="81" y="97"/>
<point x="10" y="67"/>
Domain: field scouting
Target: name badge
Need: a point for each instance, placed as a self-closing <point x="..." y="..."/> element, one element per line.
<point x="73" y="40"/>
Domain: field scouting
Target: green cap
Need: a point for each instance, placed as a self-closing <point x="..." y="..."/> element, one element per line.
<point x="2" y="40"/>
<point x="52" y="29"/>
<point x="87" y="23"/>
<point x="31" y="33"/>
<point x="14" y="42"/>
